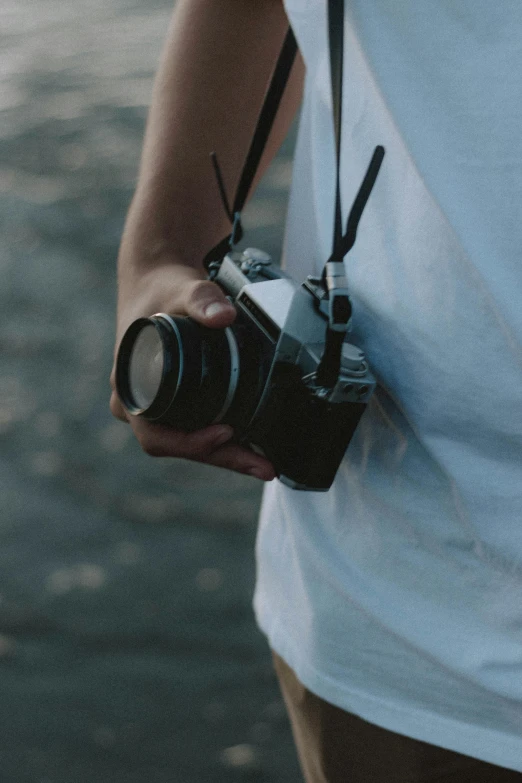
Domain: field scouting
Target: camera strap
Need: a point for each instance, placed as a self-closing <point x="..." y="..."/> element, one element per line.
<point x="264" y="125"/>
<point x="333" y="278"/>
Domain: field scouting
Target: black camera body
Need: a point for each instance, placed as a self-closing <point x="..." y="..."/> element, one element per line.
<point x="259" y="375"/>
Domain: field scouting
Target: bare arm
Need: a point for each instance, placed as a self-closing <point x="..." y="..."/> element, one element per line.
<point x="207" y="95"/>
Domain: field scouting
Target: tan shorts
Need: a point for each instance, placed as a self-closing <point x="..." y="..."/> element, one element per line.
<point x="336" y="747"/>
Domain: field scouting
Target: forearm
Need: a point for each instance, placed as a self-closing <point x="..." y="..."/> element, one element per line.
<point x="208" y="91"/>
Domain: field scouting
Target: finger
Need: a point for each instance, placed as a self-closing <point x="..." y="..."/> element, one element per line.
<point x="241" y="460"/>
<point x="160" y="441"/>
<point x="206" y="303"/>
<point x="205" y="445"/>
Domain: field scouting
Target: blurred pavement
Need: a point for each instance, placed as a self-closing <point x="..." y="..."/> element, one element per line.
<point x="128" y="649"/>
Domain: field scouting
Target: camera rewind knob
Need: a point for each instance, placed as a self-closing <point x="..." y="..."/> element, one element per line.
<point x="352" y="357"/>
<point x="256" y="256"/>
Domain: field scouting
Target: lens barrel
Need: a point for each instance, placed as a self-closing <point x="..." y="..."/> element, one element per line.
<point x="176" y="372"/>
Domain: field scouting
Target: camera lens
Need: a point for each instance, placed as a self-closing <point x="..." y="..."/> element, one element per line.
<point x="146" y="366"/>
<point x="175" y="371"/>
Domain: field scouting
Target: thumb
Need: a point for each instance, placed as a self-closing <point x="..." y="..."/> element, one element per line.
<point x="205" y="302"/>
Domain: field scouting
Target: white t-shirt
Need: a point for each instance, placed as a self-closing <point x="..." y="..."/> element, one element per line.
<point x="397" y="595"/>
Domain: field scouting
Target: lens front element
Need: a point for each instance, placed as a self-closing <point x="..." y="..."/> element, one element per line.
<point x="148" y="367"/>
<point x="146" y="364"/>
<point x="174" y="371"/>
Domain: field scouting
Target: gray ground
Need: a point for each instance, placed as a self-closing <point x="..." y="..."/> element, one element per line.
<point x="128" y="649"/>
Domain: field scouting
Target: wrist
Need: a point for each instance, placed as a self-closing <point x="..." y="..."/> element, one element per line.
<point x="162" y="229"/>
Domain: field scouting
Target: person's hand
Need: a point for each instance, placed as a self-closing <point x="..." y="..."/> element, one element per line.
<point x="182" y="290"/>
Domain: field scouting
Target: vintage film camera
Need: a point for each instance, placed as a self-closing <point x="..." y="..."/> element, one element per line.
<point x="260" y="375"/>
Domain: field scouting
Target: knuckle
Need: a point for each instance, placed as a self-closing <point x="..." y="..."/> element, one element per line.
<point x="199" y="290"/>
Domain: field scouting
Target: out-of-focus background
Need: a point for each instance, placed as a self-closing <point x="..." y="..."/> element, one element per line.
<point x="128" y="648"/>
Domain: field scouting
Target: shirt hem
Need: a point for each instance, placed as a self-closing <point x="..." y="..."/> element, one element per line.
<point x="478" y="742"/>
